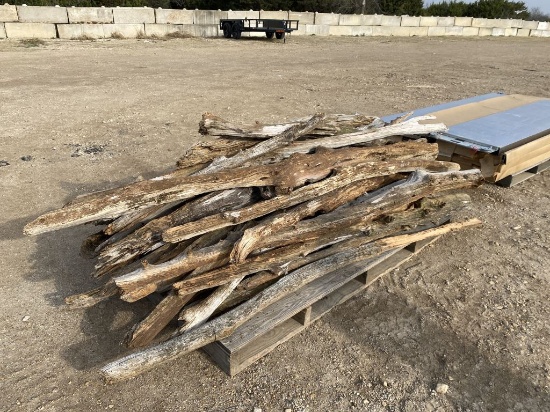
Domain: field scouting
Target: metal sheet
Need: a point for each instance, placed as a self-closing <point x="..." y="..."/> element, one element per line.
<point x="450" y="105"/>
<point x="506" y="130"/>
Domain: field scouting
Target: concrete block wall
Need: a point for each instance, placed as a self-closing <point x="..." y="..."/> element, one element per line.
<point x="131" y="22"/>
<point x="90" y="15"/>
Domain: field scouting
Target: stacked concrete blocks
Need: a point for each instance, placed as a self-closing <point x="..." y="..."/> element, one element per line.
<point x="80" y="31"/>
<point x="209" y="17"/>
<point x="90" y="15"/>
<point x="410" y="21"/>
<point x="169" y="16"/>
<point x="2" y="31"/>
<point x="30" y="30"/>
<point x="133" y="15"/>
<point x="329" y="19"/>
<point x="275" y="15"/>
<point x="37" y="14"/>
<point x="9" y="13"/>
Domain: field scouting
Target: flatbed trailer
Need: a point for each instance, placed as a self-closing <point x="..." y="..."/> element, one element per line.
<point x="271" y="27"/>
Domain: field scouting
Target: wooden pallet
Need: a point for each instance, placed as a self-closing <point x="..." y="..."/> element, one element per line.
<point x="513" y="180"/>
<point x="294" y="313"/>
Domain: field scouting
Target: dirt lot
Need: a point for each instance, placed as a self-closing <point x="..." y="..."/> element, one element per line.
<point x="471" y="311"/>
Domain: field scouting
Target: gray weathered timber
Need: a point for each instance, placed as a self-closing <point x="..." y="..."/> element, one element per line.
<point x="221" y="327"/>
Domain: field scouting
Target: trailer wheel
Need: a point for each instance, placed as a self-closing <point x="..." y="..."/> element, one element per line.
<point x="280" y="35"/>
<point x="227" y="30"/>
<point x="269" y="34"/>
<point x="237" y="31"/>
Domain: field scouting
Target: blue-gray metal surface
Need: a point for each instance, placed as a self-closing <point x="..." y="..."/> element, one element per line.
<point x="506" y="130"/>
<point x="450" y="105"/>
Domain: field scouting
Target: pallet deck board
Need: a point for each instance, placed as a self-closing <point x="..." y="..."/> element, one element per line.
<point x="294" y="313"/>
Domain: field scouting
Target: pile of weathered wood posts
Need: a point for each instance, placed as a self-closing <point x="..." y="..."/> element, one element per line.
<point x="255" y="213"/>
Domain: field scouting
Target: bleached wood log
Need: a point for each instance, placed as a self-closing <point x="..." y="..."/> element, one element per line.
<point x="345" y="176"/>
<point x="144" y="239"/>
<point x="145" y="331"/>
<point x="296" y="255"/>
<point x="280" y="140"/>
<point x="333" y="124"/>
<point x="418" y="185"/>
<point x="223" y="326"/>
<point x="288" y="174"/>
<point x="203" y="153"/>
<point x="408" y="127"/>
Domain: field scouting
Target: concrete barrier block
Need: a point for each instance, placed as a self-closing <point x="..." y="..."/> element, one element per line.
<point x="534" y="33"/>
<point x="543" y="25"/>
<point x="350" y="30"/>
<point x="428" y="21"/>
<point x="516" y="23"/>
<point x="391" y="21"/>
<point x="531" y="25"/>
<point x="463" y="21"/>
<point x="351" y="19"/>
<point x="454" y="31"/>
<point x="482" y="23"/>
<point x="436" y="31"/>
<point x="498" y="31"/>
<point x="30" y="30"/>
<point x="327" y="18"/>
<point x="485" y="31"/>
<point x="8" y="13"/>
<point x="372" y="20"/>
<point x="524" y="32"/>
<point x="127" y="31"/>
<point x="305" y="17"/>
<point x="275" y="15"/>
<point x="160" y="30"/>
<point x="470" y="31"/>
<point x="251" y="14"/>
<point x="410" y="21"/>
<point x="2" y="31"/>
<point x="38" y="14"/>
<point x="89" y="15"/>
<point x="445" y="21"/>
<point x="316" y="29"/>
<point x="208" y="16"/>
<point x="202" y="30"/>
<point x="501" y="23"/>
<point x="511" y="32"/>
<point x="133" y="15"/>
<point x="397" y="31"/>
<point x="418" y="31"/>
<point x="80" y="31"/>
<point x="169" y="16"/>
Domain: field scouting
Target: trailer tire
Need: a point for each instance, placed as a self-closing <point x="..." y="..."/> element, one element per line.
<point x="280" y="35"/>
<point x="237" y="31"/>
<point x="227" y="30"/>
<point x="269" y="34"/>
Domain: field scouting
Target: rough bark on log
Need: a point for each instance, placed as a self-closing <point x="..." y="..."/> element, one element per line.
<point x="145" y="331"/>
<point x="92" y="297"/>
<point x="324" y="203"/>
<point x="343" y="177"/>
<point x="296" y="255"/>
<point x="205" y="152"/>
<point x="142" y="240"/>
<point x="223" y="326"/>
<point x="288" y="174"/>
<point x="418" y="185"/>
